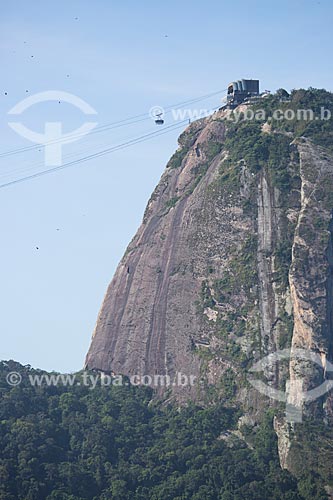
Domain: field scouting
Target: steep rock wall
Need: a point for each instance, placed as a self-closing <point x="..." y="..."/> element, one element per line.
<point x="148" y="320"/>
<point x="231" y="248"/>
<point x="311" y="275"/>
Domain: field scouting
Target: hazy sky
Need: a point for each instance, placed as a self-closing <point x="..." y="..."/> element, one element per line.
<point x="116" y="56"/>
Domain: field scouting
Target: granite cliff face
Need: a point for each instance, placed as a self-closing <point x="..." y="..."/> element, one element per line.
<point x="149" y="322"/>
<point x="233" y="261"/>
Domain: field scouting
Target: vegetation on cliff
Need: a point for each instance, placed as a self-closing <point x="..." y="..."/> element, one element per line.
<point x="115" y="443"/>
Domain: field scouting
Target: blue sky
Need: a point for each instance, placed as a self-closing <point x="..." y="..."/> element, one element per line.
<point x="120" y="62"/>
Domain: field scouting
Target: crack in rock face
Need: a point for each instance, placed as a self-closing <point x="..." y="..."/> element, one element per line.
<point x="231" y="263"/>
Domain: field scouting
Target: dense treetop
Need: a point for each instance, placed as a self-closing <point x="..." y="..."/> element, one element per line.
<point x="77" y="443"/>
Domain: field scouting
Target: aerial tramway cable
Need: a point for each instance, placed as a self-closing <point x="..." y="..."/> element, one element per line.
<point x="112" y="125"/>
<point x="98" y="154"/>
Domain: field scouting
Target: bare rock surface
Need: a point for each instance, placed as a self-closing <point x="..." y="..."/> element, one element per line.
<point x="228" y="266"/>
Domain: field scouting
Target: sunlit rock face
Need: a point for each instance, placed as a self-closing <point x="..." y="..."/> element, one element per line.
<point x="233" y="261"/>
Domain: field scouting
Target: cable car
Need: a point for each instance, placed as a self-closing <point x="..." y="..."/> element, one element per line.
<point x="159" y="120"/>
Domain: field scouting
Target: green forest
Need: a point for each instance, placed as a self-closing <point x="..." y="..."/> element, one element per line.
<point x="120" y="443"/>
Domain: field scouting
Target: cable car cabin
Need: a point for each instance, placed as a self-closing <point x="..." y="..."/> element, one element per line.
<point x="158" y="119"/>
<point x="240" y="91"/>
